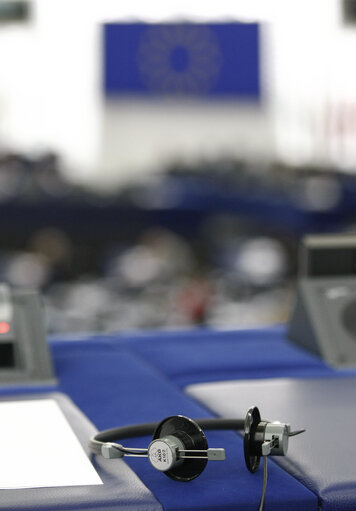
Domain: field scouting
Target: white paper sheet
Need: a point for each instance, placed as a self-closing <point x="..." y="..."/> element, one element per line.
<point x="38" y="448"/>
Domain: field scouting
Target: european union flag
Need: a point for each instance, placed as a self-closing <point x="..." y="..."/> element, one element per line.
<point x="220" y="59"/>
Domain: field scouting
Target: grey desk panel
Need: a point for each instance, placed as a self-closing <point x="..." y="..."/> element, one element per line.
<point x="323" y="458"/>
<point x="122" y="489"/>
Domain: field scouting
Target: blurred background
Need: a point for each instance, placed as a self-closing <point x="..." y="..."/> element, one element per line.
<point x="158" y="167"/>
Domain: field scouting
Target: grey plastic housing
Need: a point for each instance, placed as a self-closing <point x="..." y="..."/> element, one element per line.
<point x="327" y="255"/>
<point x="324" y="319"/>
<point x="24" y="352"/>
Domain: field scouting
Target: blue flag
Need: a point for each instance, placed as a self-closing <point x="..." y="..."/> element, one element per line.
<point x="220" y="59"/>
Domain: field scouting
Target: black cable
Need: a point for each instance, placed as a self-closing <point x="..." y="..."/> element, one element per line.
<point x="110" y="435"/>
<point x="264" y="486"/>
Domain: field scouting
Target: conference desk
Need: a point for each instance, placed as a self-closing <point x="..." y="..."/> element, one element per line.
<point x="142" y="377"/>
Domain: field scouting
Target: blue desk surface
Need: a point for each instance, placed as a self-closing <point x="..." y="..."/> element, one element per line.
<point x="126" y="379"/>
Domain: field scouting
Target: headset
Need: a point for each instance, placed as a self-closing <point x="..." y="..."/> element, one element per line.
<point x="179" y="447"/>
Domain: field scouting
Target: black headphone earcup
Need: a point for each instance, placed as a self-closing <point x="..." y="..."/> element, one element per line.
<point x="190" y="434"/>
<point x="252" y="456"/>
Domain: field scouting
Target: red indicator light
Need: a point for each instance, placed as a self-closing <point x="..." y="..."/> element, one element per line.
<point x="4" y="327"/>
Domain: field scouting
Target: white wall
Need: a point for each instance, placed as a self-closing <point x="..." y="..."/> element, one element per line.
<point x="149" y="135"/>
<point x="50" y="89"/>
<point x="315" y="87"/>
